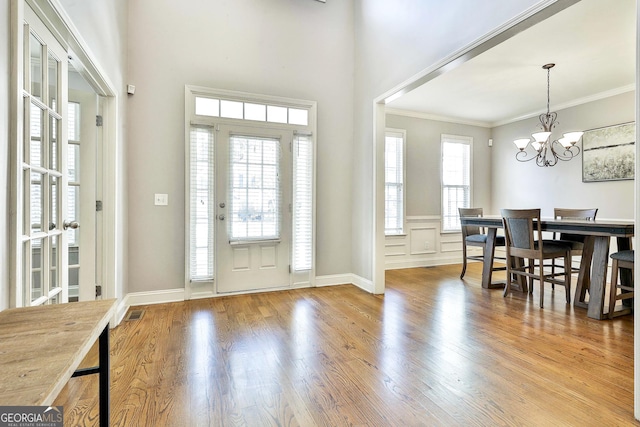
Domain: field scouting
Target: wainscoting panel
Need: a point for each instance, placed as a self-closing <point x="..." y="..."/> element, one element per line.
<point x="423" y="245"/>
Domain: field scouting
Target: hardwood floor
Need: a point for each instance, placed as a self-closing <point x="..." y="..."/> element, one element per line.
<point x="433" y="351"/>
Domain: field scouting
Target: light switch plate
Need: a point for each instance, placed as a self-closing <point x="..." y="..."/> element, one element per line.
<point x="161" y="199"/>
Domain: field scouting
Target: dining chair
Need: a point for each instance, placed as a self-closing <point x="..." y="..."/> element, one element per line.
<point x="475" y="236"/>
<point x="576" y="241"/>
<point x="526" y="251"/>
<point x="621" y="259"/>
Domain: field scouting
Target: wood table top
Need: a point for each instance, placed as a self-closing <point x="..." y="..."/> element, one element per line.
<point x="614" y="228"/>
<point x="42" y="346"/>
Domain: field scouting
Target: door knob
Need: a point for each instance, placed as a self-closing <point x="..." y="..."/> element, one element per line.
<point x="70" y="224"/>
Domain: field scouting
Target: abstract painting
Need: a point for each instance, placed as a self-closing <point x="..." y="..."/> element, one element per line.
<point x="608" y="153"/>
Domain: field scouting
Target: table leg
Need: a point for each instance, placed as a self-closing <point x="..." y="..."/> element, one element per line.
<point x="487" y="263"/>
<point x="584" y="276"/>
<point x="103" y="376"/>
<point x="598" y="277"/>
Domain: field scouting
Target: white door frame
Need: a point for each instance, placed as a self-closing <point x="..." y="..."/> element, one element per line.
<point x="58" y="22"/>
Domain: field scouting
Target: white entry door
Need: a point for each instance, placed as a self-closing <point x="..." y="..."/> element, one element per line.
<point x="253" y="201"/>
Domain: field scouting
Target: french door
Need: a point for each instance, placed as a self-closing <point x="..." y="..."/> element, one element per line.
<point x="42" y="220"/>
<point x="253" y="215"/>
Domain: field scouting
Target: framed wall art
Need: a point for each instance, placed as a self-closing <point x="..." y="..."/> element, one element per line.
<point x="608" y="153"/>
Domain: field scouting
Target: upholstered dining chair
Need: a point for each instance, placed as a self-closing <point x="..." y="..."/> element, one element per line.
<point x="576" y="241"/>
<point x="526" y="252"/>
<point x="475" y="236"/>
<point x="621" y="259"/>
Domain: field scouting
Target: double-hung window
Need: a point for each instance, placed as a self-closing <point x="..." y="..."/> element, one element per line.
<point x="394" y="143"/>
<point x="456" y="179"/>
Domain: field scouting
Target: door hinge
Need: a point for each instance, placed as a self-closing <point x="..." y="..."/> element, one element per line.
<point x="98" y="205"/>
<point x="289" y="269"/>
<point x="98" y="120"/>
<point x="98" y="291"/>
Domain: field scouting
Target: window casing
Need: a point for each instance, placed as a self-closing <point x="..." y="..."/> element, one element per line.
<point x="455" y="178"/>
<point x="394" y="173"/>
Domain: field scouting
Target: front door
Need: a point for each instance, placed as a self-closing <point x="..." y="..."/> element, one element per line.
<point x="253" y="204"/>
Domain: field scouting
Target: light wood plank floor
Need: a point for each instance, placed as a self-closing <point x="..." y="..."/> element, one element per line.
<point x="433" y="351"/>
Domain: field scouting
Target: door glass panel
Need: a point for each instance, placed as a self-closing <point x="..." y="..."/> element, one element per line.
<point x="35" y="49"/>
<point x="73" y="162"/>
<point x="37" y="201"/>
<point x="37" y="284"/>
<point x="53" y="212"/>
<point x="54" y="261"/>
<point x="73" y="206"/>
<point x="34" y="148"/>
<point x="53" y="82"/>
<point x="255" y="188"/>
<point x="54" y="129"/>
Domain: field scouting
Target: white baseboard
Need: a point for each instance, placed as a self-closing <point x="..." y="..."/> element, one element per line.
<point x="176" y="295"/>
<point x="334" y="279"/>
<point x="156" y="297"/>
<point x="423" y="262"/>
<point x="344" y="279"/>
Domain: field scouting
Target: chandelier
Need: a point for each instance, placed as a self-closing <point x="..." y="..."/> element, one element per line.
<point x="546" y="151"/>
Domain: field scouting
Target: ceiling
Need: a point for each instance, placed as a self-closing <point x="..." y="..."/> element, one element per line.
<point x="592" y="44"/>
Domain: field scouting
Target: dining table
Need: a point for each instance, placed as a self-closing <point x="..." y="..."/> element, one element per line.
<point x="592" y="276"/>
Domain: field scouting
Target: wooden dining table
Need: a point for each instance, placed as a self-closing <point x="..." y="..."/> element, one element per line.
<point x="594" y="261"/>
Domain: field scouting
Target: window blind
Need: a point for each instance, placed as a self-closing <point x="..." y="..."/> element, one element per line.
<point x="394" y="183"/>
<point x="254" y="186"/>
<point x="456" y="179"/>
<point x="302" y="203"/>
<point x="202" y="215"/>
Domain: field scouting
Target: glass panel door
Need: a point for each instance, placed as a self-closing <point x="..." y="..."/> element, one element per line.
<point x="44" y="276"/>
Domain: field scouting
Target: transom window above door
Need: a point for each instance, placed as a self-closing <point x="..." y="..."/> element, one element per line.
<point x="231" y="109"/>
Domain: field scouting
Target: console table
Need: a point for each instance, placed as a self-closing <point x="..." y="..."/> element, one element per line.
<point x="41" y="348"/>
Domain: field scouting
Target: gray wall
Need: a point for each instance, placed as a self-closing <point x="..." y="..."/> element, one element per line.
<point x="5" y="37"/>
<point x="291" y="48"/>
<point x="392" y="43"/>
<point x="525" y="185"/>
<point x="423" y="154"/>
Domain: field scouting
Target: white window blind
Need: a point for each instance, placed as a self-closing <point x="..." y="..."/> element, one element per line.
<point x="394" y="183"/>
<point x="254" y="167"/>
<point x="302" y="203"/>
<point x="456" y="179"/>
<point x="202" y="213"/>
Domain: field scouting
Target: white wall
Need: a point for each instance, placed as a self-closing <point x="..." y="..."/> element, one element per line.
<point x="394" y="41"/>
<point x="5" y="37"/>
<point x="291" y="48"/>
<point x="525" y="185"/>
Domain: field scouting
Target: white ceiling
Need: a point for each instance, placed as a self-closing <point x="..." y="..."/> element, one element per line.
<point x="592" y="44"/>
